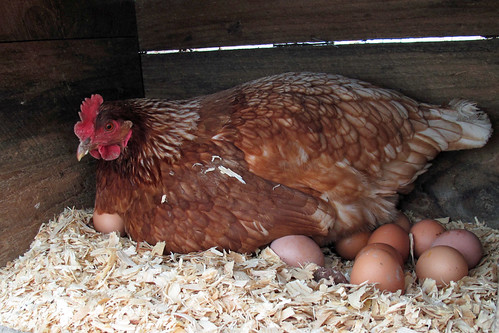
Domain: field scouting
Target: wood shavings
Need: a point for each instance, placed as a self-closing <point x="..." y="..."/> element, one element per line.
<point x="74" y="279"/>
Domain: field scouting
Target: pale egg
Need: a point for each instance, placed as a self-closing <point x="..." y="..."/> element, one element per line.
<point x="298" y="250"/>
<point x="465" y="242"/>
<point x="107" y="223"/>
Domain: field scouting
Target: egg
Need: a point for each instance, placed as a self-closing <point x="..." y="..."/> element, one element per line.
<point x="107" y="223"/>
<point x="442" y="264"/>
<point x="298" y="250"/>
<point x="465" y="242"/>
<point x="348" y="247"/>
<point x="392" y="234"/>
<point x="385" y="247"/>
<point x="376" y="265"/>
<point x="424" y="234"/>
<point x="403" y="221"/>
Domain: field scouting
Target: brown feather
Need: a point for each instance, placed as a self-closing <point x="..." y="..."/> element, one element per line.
<point x="297" y="153"/>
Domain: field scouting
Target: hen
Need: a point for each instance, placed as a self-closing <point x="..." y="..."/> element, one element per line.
<point x="297" y="153"/>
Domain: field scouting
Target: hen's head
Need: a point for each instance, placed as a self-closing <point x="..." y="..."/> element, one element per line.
<point x="100" y="134"/>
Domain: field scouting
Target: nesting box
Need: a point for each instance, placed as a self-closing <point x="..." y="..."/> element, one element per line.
<point x="55" y="53"/>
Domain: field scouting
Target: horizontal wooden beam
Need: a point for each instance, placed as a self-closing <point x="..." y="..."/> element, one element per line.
<point x="431" y="72"/>
<point x="60" y="19"/>
<point x="199" y="23"/>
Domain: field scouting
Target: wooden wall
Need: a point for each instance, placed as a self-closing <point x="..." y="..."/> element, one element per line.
<point x="460" y="184"/>
<point x="56" y="52"/>
<point x="53" y="54"/>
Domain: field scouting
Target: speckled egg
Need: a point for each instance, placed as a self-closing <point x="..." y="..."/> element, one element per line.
<point x="442" y="264"/>
<point x="378" y="266"/>
<point x="424" y="234"/>
<point x="385" y="247"/>
<point x="394" y="235"/>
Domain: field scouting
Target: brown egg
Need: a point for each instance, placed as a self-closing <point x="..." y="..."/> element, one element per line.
<point x="385" y="247"/>
<point x="424" y="233"/>
<point x="376" y="265"/>
<point x="403" y="221"/>
<point x="465" y="242"/>
<point x="348" y="247"/>
<point x="393" y="235"/>
<point x="107" y="223"/>
<point x="442" y="264"/>
<point x="298" y="250"/>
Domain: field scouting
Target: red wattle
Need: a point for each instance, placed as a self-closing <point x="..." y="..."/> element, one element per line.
<point x="110" y="152"/>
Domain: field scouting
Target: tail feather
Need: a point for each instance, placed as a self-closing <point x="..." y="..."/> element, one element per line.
<point x="459" y="126"/>
<point x="475" y="125"/>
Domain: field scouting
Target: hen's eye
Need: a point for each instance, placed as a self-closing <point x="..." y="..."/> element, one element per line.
<point x="109" y="126"/>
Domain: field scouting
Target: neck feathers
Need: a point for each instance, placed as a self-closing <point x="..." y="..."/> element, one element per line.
<point x="157" y="138"/>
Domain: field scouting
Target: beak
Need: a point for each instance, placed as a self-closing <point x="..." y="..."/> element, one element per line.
<point x="83" y="149"/>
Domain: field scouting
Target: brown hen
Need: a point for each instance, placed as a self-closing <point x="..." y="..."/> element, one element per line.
<point x="298" y="153"/>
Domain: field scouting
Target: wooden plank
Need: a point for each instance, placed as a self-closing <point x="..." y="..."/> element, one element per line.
<point x="26" y="20"/>
<point x="42" y="86"/>
<point x="433" y="72"/>
<point x="460" y="184"/>
<point x="199" y="23"/>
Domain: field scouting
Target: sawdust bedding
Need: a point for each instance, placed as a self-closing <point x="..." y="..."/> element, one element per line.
<point x="74" y="279"/>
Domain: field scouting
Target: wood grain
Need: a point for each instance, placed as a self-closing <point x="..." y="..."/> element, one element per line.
<point x="460" y="184"/>
<point x="42" y="86"/>
<point x="27" y="20"/>
<point x="432" y="72"/>
<point x="198" y="23"/>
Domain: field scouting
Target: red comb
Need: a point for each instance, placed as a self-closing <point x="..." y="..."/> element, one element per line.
<point x="89" y="109"/>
